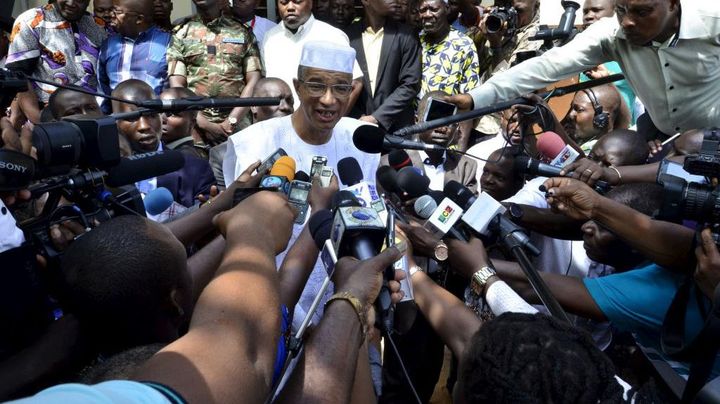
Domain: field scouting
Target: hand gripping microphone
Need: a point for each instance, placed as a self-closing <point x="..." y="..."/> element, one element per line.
<point x="281" y="175"/>
<point x="372" y="139"/>
<point x="485" y="213"/>
<point x="527" y="165"/>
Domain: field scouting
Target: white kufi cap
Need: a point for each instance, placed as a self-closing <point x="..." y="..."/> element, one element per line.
<point x="328" y="56"/>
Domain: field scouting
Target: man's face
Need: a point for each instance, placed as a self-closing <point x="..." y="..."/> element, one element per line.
<point x="644" y="20"/>
<point x="382" y="8"/>
<point x="294" y="13"/>
<point x="206" y="4"/>
<point x="343" y="12"/>
<point x="72" y="103"/>
<point x="72" y="10"/>
<point x="601" y="245"/>
<point x="126" y="18"/>
<point x="443" y="136"/>
<point x="433" y="16"/>
<point x="274" y="89"/>
<point x="608" y="151"/>
<point x="511" y="125"/>
<point x="453" y="10"/>
<point x="594" y="10"/>
<point x="103" y="9"/>
<point x="163" y="9"/>
<point x="322" y="109"/>
<point x="400" y="12"/>
<point x="526" y="11"/>
<point x="581" y="116"/>
<point x="143" y="133"/>
<point x="497" y="178"/>
<point x="176" y="125"/>
<point x="321" y="9"/>
<point x="244" y="8"/>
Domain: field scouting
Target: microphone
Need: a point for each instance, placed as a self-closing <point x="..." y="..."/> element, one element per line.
<point x="441" y="218"/>
<point x="527" y="165"/>
<point x="425" y="206"/>
<point x="484" y="212"/>
<point x="198" y="103"/>
<point x="412" y="182"/>
<point x="387" y="178"/>
<point x="554" y="150"/>
<point x="17" y="170"/>
<point x="140" y="167"/>
<point x="157" y="201"/>
<point x="399" y="159"/>
<point x="351" y="176"/>
<point x="302" y="176"/>
<point x="281" y="175"/>
<point x="371" y="139"/>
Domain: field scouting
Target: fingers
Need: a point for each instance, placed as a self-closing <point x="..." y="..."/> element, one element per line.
<point x="388" y="256"/>
<point x="247" y="174"/>
<point x="708" y="245"/>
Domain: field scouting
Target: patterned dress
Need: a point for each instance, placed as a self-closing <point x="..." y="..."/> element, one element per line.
<point x="45" y="45"/>
<point x="450" y="65"/>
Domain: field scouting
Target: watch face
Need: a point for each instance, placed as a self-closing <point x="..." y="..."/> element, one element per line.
<point x="441" y="252"/>
<point x="516" y="211"/>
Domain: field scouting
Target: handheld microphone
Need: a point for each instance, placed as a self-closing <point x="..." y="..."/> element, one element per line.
<point x="412" y="182"/>
<point x="387" y="178"/>
<point x="351" y="176"/>
<point x="554" y="150"/>
<point x="157" y="201"/>
<point x="441" y="218"/>
<point x="484" y="213"/>
<point x="302" y="176"/>
<point x="140" y="167"/>
<point x="399" y="159"/>
<point x="281" y="175"/>
<point x="525" y="164"/>
<point x="198" y="103"/>
<point x="372" y="139"/>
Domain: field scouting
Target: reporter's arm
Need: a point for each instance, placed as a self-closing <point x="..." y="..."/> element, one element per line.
<point x="549" y="223"/>
<point x="203" y="264"/>
<point x="296" y="268"/>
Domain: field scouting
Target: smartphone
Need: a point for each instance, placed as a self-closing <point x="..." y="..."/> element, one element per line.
<point x="267" y="164"/>
<point x="438" y="109"/>
<point x="325" y="176"/>
<point x="318" y="162"/>
<point x="298" y="198"/>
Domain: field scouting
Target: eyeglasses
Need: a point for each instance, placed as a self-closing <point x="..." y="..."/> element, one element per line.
<point x="316" y="89"/>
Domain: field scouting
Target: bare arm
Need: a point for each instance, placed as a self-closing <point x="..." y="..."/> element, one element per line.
<point x="296" y="268"/>
<point x="28" y="102"/>
<point x="203" y="264"/>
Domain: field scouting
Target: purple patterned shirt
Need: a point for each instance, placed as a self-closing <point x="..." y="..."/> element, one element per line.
<point x="49" y="47"/>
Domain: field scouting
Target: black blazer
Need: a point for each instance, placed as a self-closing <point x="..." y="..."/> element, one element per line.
<point x="398" y="76"/>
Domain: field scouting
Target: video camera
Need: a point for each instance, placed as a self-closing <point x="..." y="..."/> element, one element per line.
<point x="695" y="201"/>
<point x="502" y="18"/>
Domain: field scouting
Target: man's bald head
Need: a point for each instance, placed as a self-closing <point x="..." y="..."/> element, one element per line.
<point x="132" y="90"/>
<point x="133" y="16"/>
<point x="620" y="147"/>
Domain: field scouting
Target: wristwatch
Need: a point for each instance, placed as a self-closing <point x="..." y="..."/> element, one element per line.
<point x="441" y="251"/>
<point x="516" y="212"/>
<point x="233" y="121"/>
<point x="479" y="279"/>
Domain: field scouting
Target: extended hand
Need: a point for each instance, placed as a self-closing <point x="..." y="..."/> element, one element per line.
<point x="572" y="197"/>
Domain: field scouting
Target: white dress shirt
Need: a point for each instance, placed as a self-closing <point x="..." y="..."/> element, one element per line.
<point x="677" y="81"/>
<point x="281" y="49"/>
<point x="435" y="173"/>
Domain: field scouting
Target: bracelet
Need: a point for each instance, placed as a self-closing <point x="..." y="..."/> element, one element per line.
<point x="617" y="172"/>
<point x="359" y="310"/>
<point x="413" y="269"/>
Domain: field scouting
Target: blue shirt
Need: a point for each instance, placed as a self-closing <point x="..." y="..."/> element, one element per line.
<point x="637" y="300"/>
<point x="143" y="58"/>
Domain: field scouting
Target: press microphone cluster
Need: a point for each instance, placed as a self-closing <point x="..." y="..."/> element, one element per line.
<point x="527" y="165"/>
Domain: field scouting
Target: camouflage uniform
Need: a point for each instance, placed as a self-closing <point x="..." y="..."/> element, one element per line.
<point x="495" y="61"/>
<point x="214" y="58"/>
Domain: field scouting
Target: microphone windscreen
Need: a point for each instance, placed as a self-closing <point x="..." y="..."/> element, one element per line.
<point x="349" y="171"/>
<point x="369" y="138"/>
<point x="302" y="176"/>
<point x="158" y="200"/>
<point x="387" y="178"/>
<point x="425" y="206"/>
<point x="458" y="193"/>
<point x="412" y="182"/>
<point x="549" y="145"/>
<point x="437" y="196"/>
<point x="320" y="225"/>
<point x="344" y="198"/>
<point x="143" y="166"/>
<point x="284" y="167"/>
<point x="399" y="159"/>
<point x="17" y="170"/>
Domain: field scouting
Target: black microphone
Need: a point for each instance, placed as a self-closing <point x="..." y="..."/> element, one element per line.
<point x="399" y="159"/>
<point x="371" y="139"/>
<point x="387" y="178"/>
<point x="343" y="198"/>
<point x="527" y="165"/>
<point x="140" y="167"/>
<point x="302" y="176"/>
<point x="198" y="103"/>
<point x="412" y="182"/>
<point x="349" y="171"/>
<point x="465" y="198"/>
<point x="320" y="225"/>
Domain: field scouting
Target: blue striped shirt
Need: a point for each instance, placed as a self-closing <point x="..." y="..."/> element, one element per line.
<point x="143" y="58"/>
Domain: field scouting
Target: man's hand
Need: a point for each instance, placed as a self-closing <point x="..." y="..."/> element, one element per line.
<point x="466" y="258"/>
<point x="227" y="127"/>
<point x="572" y="198"/>
<point x="707" y="272"/>
<point x="265" y="215"/>
<point x="363" y="279"/>
<point x="423" y="242"/>
<point x="598" y="72"/>
<point x="589" y="172"/>
<point x="212" y="133"/>
<point x="655" y="147"/>
<point x="246" y="180"/>
<point x="65" y="233"/>
<point x="321" y="197"/>
<point x="464" y="102"/>
<point x="369" y="118"/>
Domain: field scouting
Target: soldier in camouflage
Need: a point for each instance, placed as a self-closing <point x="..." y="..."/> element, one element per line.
<point x="215" y="55"/>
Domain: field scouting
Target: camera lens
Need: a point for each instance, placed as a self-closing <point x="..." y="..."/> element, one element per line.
<point x="494" y="22"/>
<point x="699" y="202"/>
<point x="57" y="144"/>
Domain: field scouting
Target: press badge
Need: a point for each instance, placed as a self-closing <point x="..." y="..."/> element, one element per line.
<point x="237" y="41"/>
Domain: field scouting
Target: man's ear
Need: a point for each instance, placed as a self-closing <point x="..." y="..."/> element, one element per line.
<point x="296" y="84"/>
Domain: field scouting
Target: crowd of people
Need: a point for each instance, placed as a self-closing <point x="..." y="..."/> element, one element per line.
<point x="229" y="291"/>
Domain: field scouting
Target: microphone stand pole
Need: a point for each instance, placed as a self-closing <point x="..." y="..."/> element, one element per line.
<point x="476" y="113"/>
<point x="541" y="289"/>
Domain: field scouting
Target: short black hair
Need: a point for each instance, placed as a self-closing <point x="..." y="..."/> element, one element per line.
<point x="645" y="197"/>
<point x="117" y="277"/>
<point x="535" y="358"/>
<point x="120" y="366"/>
<point x="637" y="149"/>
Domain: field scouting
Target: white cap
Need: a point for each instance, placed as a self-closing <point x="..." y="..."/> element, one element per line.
<point x="328" y="56"/>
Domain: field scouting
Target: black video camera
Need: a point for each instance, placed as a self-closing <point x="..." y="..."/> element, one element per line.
<point x="502" y="18"/>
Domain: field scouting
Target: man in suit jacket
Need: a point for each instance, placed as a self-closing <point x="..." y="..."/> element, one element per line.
<point x="389" y="57"/>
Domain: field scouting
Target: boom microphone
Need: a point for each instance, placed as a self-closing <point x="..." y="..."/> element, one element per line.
<point x="525" y="164"/>
<point x="198" y="103"/>
<point x="372" y="139"/>
<point x="140" y="167"/>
